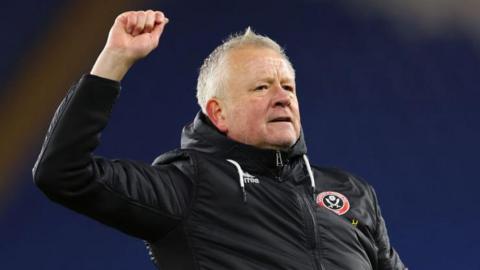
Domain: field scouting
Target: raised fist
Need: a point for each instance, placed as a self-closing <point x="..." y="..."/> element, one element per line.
<point x="136" y="33"/>
<point x="133" y="35"/>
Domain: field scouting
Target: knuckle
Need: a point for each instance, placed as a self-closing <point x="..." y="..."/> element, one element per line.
<point x="151" y="15"/>
<point x="124" y="14"/>
<point x="137" y="15"/>
<point x="132" y="17"/>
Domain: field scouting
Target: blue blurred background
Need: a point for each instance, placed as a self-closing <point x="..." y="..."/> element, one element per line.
<point x="388" y="91"/>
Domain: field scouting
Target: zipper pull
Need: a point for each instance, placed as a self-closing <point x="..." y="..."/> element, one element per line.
<point x="279" y="159"/>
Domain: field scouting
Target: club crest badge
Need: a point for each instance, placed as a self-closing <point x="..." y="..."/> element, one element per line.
<point x="333" y="201"/>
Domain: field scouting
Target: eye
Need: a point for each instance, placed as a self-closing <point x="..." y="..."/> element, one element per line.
<point x="288" y="87"/>
<point x="261" y="87"/>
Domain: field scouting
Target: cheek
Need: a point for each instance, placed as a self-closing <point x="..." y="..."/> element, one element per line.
<point x="295" y="108"/>
<point x="296" y="112"/>
<point x="248" y="118"/>
<point x="253" y="116"/>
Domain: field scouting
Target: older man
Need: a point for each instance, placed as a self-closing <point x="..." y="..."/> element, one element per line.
<point x="239" y="193"/>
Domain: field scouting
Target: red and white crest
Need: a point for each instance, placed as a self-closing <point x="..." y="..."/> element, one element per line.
<point x="333" y="201"/>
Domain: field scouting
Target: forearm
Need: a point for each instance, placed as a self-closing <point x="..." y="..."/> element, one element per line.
<point x="68" y="172"/>
<point x="74" y="133"/>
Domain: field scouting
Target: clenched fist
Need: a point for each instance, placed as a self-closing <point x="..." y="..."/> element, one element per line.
<point x="133" y="36"/>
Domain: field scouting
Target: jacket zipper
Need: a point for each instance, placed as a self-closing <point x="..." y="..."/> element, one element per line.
<point x="278" y="164"/>
<point x="314" y="241"/>
<point x="318" y="264"/>
<point x="278" y="159"/>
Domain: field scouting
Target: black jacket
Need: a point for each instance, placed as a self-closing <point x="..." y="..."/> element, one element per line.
<point x="213" y="203"/>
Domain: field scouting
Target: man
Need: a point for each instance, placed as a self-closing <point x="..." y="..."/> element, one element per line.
<point x="239" y="193"/>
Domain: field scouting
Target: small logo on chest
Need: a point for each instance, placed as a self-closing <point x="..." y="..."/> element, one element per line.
<point x="333" y="201"/>
<point x="250" y="179"/>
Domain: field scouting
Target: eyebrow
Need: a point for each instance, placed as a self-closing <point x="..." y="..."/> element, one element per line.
<point x="271" y="80"/>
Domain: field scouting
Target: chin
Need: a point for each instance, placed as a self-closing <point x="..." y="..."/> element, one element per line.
<point x="283" y="143"/>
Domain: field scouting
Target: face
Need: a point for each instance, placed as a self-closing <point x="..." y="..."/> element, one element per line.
<point x="259" y="106"/>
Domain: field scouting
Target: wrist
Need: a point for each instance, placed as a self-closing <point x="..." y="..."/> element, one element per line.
<point x="111" y="65"/>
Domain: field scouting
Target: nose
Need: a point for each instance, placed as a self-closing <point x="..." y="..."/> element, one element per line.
<point x="282" y="97"/>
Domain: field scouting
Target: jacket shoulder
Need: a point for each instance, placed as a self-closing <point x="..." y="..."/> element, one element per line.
<point x="171" y="156"/>
<point x="183" y="160"/>
<point x="342" y="176"/>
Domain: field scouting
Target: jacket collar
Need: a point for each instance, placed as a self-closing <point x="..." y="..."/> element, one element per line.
<point x="203" y="136"/>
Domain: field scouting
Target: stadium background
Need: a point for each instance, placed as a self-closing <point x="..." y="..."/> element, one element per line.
<point x="388" y="91"/>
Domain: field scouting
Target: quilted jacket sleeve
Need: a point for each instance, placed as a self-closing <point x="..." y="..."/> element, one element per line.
<point x="388" y="258"/>
<point x="142" y="200"/>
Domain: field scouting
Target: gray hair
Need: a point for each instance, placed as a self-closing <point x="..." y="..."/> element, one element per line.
<point x="211" y="80"/>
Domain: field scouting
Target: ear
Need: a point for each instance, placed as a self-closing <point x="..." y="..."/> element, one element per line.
<point x="216" y="114"/>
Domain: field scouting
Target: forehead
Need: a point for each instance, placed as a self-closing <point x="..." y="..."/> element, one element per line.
<point x="256" y="62"/>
